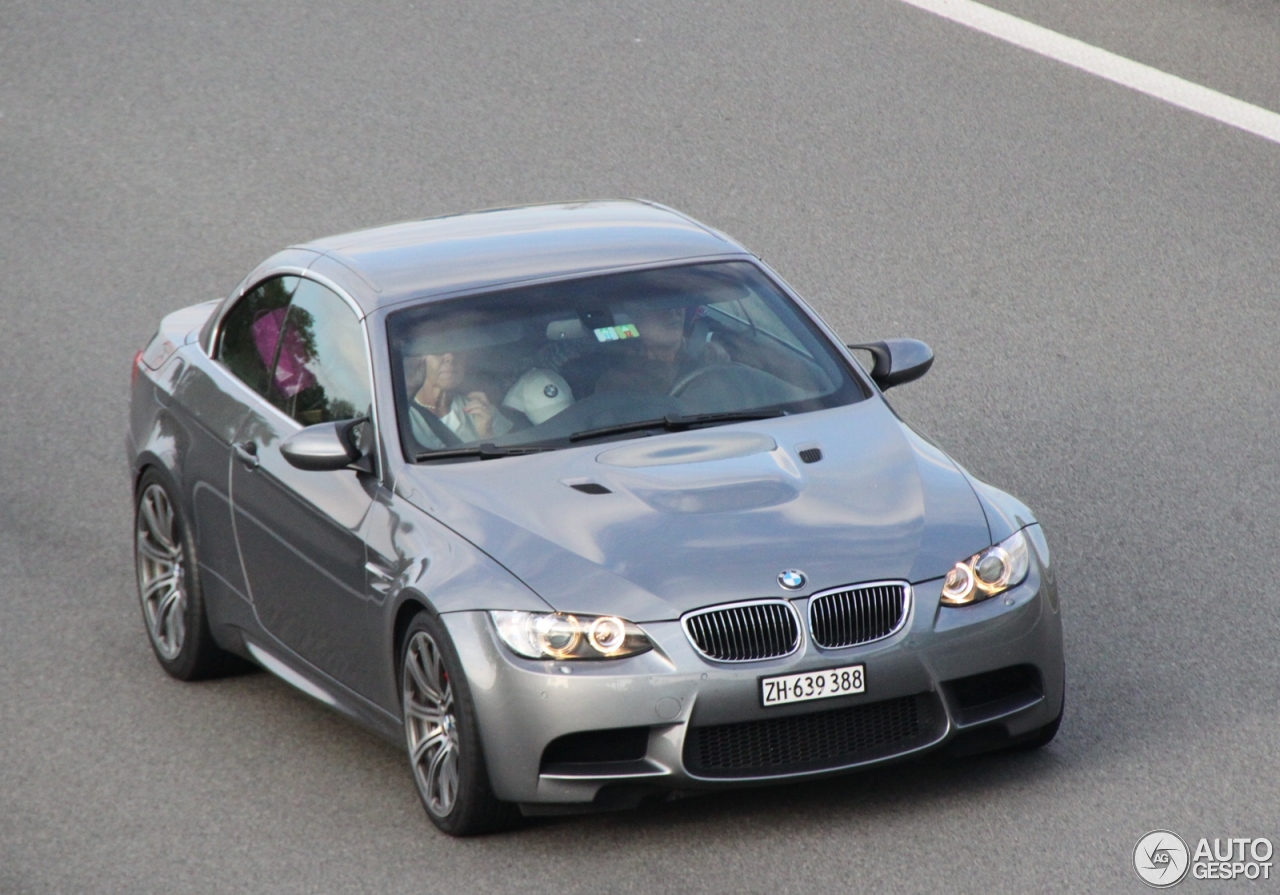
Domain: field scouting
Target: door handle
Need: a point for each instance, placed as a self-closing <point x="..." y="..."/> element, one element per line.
<point x="247" y="453"/>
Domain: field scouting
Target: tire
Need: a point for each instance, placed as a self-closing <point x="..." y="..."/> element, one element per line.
<point x="169" y="587"/>
<point x="442" y="735"/>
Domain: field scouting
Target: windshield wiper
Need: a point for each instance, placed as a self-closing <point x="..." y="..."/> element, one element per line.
<point x="673" y="423"/>
<point x="486" y="451"/>
<point x="670" y="423"/>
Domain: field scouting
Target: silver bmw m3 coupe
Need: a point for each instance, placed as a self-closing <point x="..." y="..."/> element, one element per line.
<point x="583" y="505"/>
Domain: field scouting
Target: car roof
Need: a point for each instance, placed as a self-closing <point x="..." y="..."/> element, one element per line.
<point x="448" y="255"/>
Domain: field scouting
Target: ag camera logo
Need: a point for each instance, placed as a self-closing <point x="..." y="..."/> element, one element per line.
<point x="1161" y="859"/>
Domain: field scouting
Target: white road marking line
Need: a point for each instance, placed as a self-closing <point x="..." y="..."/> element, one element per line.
<point x="1086" y="57"/>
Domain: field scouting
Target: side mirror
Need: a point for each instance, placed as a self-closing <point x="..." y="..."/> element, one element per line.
<point x="324" y="446"/>
<point x="898" y="361"/>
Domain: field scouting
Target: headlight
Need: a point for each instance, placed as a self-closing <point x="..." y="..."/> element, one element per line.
<point x="558" y="635"/>
<point x="988" y="573"/>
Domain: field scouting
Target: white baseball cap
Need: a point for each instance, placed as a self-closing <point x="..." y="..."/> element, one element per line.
<point x="539" y="395"/>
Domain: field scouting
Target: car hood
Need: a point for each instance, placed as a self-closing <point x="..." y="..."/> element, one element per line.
<point x="698" y="518"/>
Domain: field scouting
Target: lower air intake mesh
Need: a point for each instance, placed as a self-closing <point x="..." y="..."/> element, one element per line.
<point x="799" y="743"/>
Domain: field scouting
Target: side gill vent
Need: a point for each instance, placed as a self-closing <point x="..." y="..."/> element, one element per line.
<point x="811" y="455"/>
<point x="591" y="488"/>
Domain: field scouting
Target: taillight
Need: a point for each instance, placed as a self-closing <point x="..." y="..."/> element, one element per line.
<point x="133" y="370"/>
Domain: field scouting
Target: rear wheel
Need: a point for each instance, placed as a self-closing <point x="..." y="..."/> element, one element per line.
<point x="443" y="737"/>
<point x="169" y="587"/>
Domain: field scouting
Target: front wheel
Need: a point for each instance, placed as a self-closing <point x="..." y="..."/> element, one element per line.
<point x="443" y="737"/>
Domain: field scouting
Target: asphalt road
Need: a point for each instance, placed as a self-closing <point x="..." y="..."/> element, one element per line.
<point x="1096" y="271"/>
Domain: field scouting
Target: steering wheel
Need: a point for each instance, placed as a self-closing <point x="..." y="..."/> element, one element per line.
<point x="733" y="369"/>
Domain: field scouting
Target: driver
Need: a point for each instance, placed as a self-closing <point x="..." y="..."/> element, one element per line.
<point x="662" y="355"/>
<point x="441" y="416"/>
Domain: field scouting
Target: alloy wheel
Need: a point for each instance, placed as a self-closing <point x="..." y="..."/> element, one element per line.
<point x="161" y="576"/>
<point x="430" y="723"/>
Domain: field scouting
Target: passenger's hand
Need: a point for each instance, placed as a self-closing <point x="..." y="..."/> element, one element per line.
<point x="481" y="411"/>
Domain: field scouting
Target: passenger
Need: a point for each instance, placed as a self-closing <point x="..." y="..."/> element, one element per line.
<point x="661" y="356"/>
<point x="442" y="417"/>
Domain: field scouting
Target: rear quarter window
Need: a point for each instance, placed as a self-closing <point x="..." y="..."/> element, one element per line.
<point x="250" y="332"/>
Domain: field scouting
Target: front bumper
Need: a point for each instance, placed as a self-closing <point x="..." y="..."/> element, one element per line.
<point x="920" y="688"/>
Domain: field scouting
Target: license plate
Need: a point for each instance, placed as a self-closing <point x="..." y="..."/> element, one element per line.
<point x="808" y="685"/>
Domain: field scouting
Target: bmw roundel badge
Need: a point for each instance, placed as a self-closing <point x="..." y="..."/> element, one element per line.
<point x="550" y="390"/>
<point x="792" y="579"/>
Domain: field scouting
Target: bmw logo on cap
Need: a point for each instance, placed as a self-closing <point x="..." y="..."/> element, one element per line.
<point x="792" y="579"/>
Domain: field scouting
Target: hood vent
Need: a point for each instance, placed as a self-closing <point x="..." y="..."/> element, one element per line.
<point x="590" y="488"/>
<point x="811" y="455"/>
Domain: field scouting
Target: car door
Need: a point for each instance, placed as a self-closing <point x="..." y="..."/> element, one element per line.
<point x="212" y="398"/>
<point x="300" y="532"/>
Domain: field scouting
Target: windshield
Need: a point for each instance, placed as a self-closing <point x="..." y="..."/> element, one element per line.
<point x="548" y="366"/>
